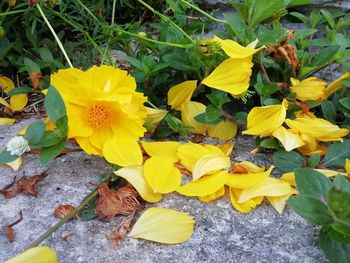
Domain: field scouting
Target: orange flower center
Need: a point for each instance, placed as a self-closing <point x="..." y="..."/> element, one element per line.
<point x="98" y="116"/>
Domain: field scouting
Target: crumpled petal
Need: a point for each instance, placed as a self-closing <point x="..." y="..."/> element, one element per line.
<point x="181" y="93"/>
<point x="163" y="226"/>
<point x="224" y="130"/>
<point x="243" y="181"/>
<point x="167" y="149"/>
<point x="269" y="187"/>
<point x="311" y="88"/>
<point x="289" y="140"/>
<point x="247" y="167"/>
<point x="191" y="109"/>
<point x="244" y="207"/>
<point x="122" y="151"/>
<point x="232" y="76"/>
<point x="336" y="85"/>
<point x="235" y="50"/>
<point x="214" y="196"/>
<point x="7" y="121"/>
<point x="18" y="102"/>
<point x="35" y="255"/>
<point x="204" y="186"/>
<point x="209" y="163"/>
<point x="134" y="175"/>
<point x="161" y="174"/>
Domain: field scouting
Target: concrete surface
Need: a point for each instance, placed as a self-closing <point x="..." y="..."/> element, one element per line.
<point x="221" y="234"/>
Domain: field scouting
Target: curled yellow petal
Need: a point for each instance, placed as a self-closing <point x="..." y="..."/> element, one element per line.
<point x="154" y="117"/>
<point x="35" y="255"/>
<point x="263" y="121"/>
<point x="161" y="174"/>
<point x="232" y="76"/>
<point x="289" y="140"/>
<point x="134" y="175"/>
<point x="224" y="130"/>
<point x="243" y="181"/>
<point x="181" y="93"/>
<point x="162" y="149"/>
<point x="227" y="148"/>
<point x="6" y="84"/>
<point x="246" y="206"/>
<point x="309" y="89"/>
<point x="7" y="121"/>
<point x="279" y="202"/>
<point x="209" y="163"/>
<point x="269" y="187"/>
<point x="191" y="109"/>
<point x="246" y="167"/>
<point x="163" y="226"/>
<point x="4" y="103"/>
<point x="18" y="102"/>
<point x="16" y="164"/>
<point x="347" y="166"/>
<point x="336" y="85"/>
<point x="204" y="186"/>
<point x="214" y="196"/>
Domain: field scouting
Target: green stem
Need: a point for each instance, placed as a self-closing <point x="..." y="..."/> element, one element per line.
<point x="203" y="12"/>
<point x="88" y="10"/>
<point x="113" y="11"/>
<point x="166" y="19"/>
<point x="55" y="35"/>
<point x="152" y="105"/>
<point x="12" y="12"/>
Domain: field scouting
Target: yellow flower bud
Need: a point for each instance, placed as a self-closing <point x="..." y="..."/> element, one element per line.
<point x="11" y="3"/>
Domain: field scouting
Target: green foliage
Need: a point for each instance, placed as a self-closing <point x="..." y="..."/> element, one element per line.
<point x="327" y="204"/>
<point x="337" y="154"/>
<point x="288" y="161"/>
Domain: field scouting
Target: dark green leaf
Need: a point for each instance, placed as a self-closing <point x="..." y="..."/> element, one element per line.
<point x="54" y="105"/>
<point x="46" y="54"/>
<point x="270" y="144"/>
<point x="259" y="11"/>
<point x="336" y="252"/>
<point x="19" y="90"/>
<point x="88" y="212"/>
<point x="49" y="138"/>
<point x="314" y="160"/>
<point x="6" y="157"/>
<point x="49" y="153"/>
<point x="340" y="183"/>
<point x="325" y="56"/>
<point x="287" y="161"/>
<point x="298" y="3"/>
<point x="336" y="154"/>
<point x="345" y="102"/>
<point x="218" y="98"/>
<point x="329" y="111"/>
<point x="34" y="132"/>
<point x="265" y="90"/>
<point x="339" y="202"/>
<point x="31" y="66"/>
<point x="303" y="33"/>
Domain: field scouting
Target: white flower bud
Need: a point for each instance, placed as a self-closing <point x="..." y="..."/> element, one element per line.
<point x="17" y="146"/>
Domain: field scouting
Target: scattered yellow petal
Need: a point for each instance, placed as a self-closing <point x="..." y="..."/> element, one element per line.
<point x="154" y="117"/>
<point x="163" y="226"/>
<point x="6" y="84"/>
<point x="243" y="181"/>
<point x="290" y="177"/>
<point x="336" y="85"/>
<point x="224" y="130"/>
<point x="18" y="102"/>
<point x="7" y="121"/>
<point x="16" y="164"/>
<point x="181" y="93"/>
<point x="227" y="148"/>
<point x="244" y="207"/>
<point x="161" y="174"/>
<point x="191" y="109"/>
<point x="347" y="166"/>
<point x="35" y="255"/>
<point x="279" y="202"/>
<point x="289" y="140"/>
<point x="162" y="149"/>
<point x="209" y="163"/>
<point x="214" y="196"/>
<point x="247" y="167"/>
<point x="134" y="175"/>
<point x="4" y="103"/>
<point x="204" y="186"/>
<point x="22" y="131"/>
<point x="309" y="89"/>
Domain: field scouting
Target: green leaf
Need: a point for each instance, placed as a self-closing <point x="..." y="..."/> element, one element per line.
<point x="259" y="11"/>
<point x="236" y="25"/>
<point x="303" y="33"/>
<point x="62" y="125"/>
<point x="88" y="212"/>
<point x="300" y="16"/>
<point x="341" y="184"/>
<point x="329" y="111"/>
<point x="54" y="105"/>
<point x="34" y="132"/>
<point x="31" y="66"/>
<point x="311" y="209"/>
<point x="49" y="153"/>
<point x="336" y="154"/>
<point x="345" y="102"/>
<point x="20" y="90"/>
<point x="265" y="90"/>
<point x="329" y="18"/>
<point x="339" y="202"/>
<point x="46" y="54"/>
<point x="6" y="157"/>
<point x="298" y="3"/>
<point x="312" y="183"/>
<point x="49" y="138"/>
<point x="335" y="252"/>
<point x="314" y="160"/>
<point x="270" y="144"/>
<point x="218" y="98"/>
<point x="287" y="161"/>
<point x="325" y="56"/>
<point x="336" y="235"/>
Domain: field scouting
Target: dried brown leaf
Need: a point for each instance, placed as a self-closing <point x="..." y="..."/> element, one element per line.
<point x="62" y="211"/>
<point x="35" y="77"/>
<point x="197" y="138"/>
<point x="183" y="169"/>
<point x="118" y="234"/>
<point x="10" y="233"/>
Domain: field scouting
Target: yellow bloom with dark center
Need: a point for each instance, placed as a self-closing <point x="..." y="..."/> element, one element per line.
<point x="309" y="89"/>
<point x="105" y="113"/>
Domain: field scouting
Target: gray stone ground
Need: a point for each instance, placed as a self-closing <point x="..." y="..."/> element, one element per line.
<point x="221" y="234"/>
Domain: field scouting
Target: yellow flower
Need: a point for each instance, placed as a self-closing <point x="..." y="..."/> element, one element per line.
<point x="263" y="121"/>
<point x="35" y="255"/>
<point x="309" y="89"/>
<point x="318" y="128"/>
<point x="181" y="93"/>
<point x="105" y="113"/>
<point x="336" y="85"/>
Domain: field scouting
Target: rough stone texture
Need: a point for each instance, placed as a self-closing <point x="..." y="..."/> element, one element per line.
<point x="221" y="234"/>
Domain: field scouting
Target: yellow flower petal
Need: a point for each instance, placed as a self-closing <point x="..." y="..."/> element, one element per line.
<point x="16" y="164"/>
<point x="6" y="84"/>
<point x="162" y="149"/>
<point x="134" y="175"/>
<point x="243" y="181"/>
<point x="224" y="130"/>
<point x="309" y="89"/>
<point x="318" y="128"/>
<point x="232" y="76"/>
<point x="35" y="255"/>
<point x="263" y="121"/>
<point x="214" y="196"/>
<point x="279" y="202"/>
<point x="269" y="187"/>
<point x="204" y="186"/>
<point x="7" y="121"/>
<point x="122" y="151"/>
<point x="247" y="167"/>
<point x="336" y="85"/>
<point x="154" y="117"/>
<point x="289" y="140"/>
<point x="163" y="226"/>
<point x="209" y="163"/>
<point x="18" y="102"/>
<point x="161" y="174"/>
<point x="22" y="131"/>
<point x="244" y="207"/>
<point x="191" y="109"/>
<point x="235" y="50"/>
<point x="181" y="93"/>
<point x="227" y="148"/>
<point x="4" y="103"/>
<point x="347" y="166"/>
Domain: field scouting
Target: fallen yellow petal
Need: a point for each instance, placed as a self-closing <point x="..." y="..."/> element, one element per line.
<point x="6" y="84"/>
<point x="191" y="109"/>
<point x="16" y="164"/>
<point x="134" y="175"/>
<point x="247" y="167"/>
<point x="347" y="166"/>
<point x="269" y="187"/>
<point x="7" y="121"/>
<point x="161" y="174"/>
<point x="227" y="148"/>
<point x="4" y="103"/>
<point x="224" y="130"/>
<point x="154" y="117"/>
<point x="243" y="181"/>
<point x="289" y="140"/>
<point x="279" y="202"/>
<point x="209" y="163"/>
<point x="35" y="255"/>
<point x="162" y="149"/>
<point x="163" y="226"/>
<point x="181" y="93"/>
<point x="336" y="85"/>
<point x="18" y="102"/>
<point x="244" y="207"/>
<point x="214" y="196"/>
<point x="204" y="186"/>
<point x="309" y="89"/>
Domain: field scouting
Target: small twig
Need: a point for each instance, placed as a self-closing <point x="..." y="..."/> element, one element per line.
<point x="18" y="220"/>
<point x="263" y="70"/>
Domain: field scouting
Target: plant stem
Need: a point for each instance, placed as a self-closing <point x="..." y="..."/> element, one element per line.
<point x="55" y="35"/>
<point x="113" y="11"/>
<point x="203" y="12"/>
<point x="166" y="19"/>
<point x="12" y="12"/>
<point x="88" y="10"/>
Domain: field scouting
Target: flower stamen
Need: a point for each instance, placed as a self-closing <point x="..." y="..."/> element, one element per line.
<point x="98" y="116"/>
